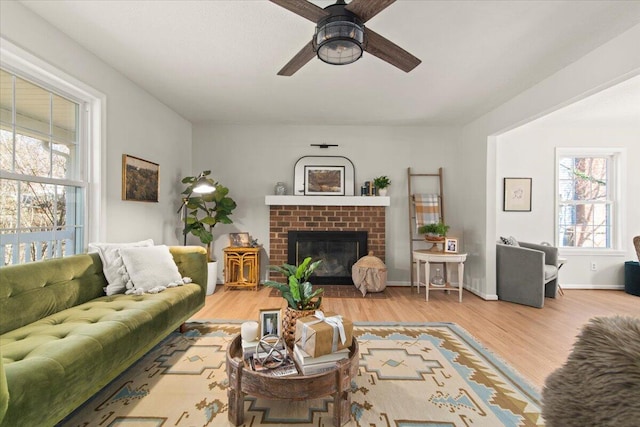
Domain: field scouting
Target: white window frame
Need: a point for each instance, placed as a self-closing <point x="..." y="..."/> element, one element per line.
<point x="616" y="171"/>
<point x="92" y="117"/>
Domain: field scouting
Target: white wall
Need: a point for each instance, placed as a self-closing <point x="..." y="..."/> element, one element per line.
<point x="605" y="66"/>
<point x="530" y="151"/>
<point x="251" y="159"/>
<point x="137" y="124"/>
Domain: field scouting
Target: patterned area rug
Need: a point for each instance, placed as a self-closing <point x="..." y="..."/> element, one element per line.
<point x="340" y="291"/>
<point x="410" y="375"/>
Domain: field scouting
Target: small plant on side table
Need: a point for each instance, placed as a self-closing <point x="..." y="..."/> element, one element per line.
<point x="435" y="231"/>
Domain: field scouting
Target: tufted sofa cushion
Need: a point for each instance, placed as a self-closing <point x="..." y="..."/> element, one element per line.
<point x="90" y="341"/>
<point x="55" y="363"/>
<point x="35" y="290"/>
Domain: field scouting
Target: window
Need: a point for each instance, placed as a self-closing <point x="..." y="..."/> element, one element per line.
<point x="50" y="136"/>
<point x="588" y="201"/>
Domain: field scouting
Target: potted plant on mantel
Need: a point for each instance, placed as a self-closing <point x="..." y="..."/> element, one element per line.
<point x="203" y="212"/>
<point x="301" y="299"/>
<point x="382" y="183"/>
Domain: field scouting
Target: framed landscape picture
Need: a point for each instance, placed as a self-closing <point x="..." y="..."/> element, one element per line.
<point x="324" y="180"/>
<point x="517" y="195"/>
<point x="324" y="176"/>
<point x="140" y="179"/>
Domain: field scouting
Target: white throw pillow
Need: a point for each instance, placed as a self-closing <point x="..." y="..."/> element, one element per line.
<point x="112" y="265"/>
<point x="150" y="269"/>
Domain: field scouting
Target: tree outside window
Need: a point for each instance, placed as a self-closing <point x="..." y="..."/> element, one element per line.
<point x="585" y="201"/>
<point x="40" y="191"/>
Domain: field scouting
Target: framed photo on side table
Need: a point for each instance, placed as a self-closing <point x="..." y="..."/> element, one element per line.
<point x="451" y="245"/>
<point x="270" y="322"/>
<point x="239" y="240"/>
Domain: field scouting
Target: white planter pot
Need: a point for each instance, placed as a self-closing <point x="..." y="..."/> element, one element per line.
<point x="212" y="277"/>
<point x="382" y="191"/>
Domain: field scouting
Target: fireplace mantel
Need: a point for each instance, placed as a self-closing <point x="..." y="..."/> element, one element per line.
<point x="327" y="200"/>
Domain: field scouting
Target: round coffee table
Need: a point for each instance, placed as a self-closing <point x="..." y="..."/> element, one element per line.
<point x="335" y="382"/>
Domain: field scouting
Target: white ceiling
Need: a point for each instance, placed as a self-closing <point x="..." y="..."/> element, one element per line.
<point x="216" y="60"/>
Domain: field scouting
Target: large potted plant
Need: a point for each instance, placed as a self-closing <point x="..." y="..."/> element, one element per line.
<point x="301" y="299"/>
<point x="203" y="211"/>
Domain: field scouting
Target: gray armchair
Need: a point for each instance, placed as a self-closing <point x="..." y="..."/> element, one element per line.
<point x="526" y="273"/>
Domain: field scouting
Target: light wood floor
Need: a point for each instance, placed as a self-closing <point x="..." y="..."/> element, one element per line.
<point x="533" y="341"/>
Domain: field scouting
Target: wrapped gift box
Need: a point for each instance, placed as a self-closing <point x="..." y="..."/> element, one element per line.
<point x="319" y="337"/>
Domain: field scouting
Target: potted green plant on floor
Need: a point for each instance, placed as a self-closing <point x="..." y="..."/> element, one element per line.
<point x="301" y="299"/>
<point x="382" y="183"/>
<point x="205" y="210"/>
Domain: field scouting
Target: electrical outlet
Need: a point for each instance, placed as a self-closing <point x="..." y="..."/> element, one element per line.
<point x="594" y="266"/>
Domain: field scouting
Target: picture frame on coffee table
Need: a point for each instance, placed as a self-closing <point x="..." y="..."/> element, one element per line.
<point x="270" y="322"/>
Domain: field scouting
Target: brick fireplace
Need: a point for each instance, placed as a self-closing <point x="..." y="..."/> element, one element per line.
<point x="312" y="217"/>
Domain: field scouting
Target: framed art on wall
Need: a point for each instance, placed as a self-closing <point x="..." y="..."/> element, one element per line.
<point x="323" y="176"/>
<point x="140" y="179"/>
<point x="517" y="195"/>
<point x="324" y="180"/>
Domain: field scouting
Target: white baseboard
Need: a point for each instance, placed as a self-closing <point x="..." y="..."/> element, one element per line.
<point x="399" y="284"/>
<point x="487" y="297"/>
<point x="590" y="286"/>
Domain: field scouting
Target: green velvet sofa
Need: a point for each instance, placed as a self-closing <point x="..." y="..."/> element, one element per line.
<point x="62" y="339"/>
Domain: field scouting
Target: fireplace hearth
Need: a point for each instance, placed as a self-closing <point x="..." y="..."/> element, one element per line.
<point x="338" y="250"/>
<point x="324" y="213"/>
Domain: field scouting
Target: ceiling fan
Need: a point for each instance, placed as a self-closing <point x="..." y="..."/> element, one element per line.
<point x="341" y="36"/>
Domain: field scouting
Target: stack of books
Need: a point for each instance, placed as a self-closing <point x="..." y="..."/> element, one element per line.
<point x="314" y="365"/>
<point x="286" y="369"/>
<point x="249" y="348"/>
<point x="251" y="360"/>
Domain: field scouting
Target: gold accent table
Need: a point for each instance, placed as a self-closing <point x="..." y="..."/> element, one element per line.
<point x="428" y="256"/>
<point x="335" y="382"/>
<point x="241" y="267"/>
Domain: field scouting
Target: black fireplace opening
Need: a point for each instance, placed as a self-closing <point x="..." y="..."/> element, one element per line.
<point x="338" y="250"/>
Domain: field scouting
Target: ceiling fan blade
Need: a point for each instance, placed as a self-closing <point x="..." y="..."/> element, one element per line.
<point x="367" y="9"/>
<point x="388" y="51"/>
<point x="303" y="8"/>
<point x="305" y="55"/>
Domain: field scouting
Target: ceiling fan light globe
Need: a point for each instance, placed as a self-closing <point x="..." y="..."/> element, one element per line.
<point x="339" y="42"/>
<point x="339" y="52"/>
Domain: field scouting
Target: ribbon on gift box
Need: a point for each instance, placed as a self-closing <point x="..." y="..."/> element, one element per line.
<point x="334" y="321"/>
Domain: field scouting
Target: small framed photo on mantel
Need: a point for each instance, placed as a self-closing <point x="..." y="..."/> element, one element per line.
<point x="324" y="181"/>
